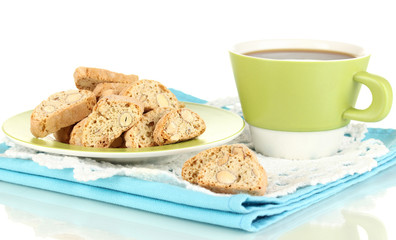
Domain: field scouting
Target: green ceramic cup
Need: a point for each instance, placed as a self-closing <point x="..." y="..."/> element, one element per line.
<point x="306" y="95"/>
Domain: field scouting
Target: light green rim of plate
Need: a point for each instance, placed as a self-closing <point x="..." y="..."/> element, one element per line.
<point x="220" y="125"/>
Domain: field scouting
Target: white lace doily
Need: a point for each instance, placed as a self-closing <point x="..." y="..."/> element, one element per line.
<point x="284" y="176"/>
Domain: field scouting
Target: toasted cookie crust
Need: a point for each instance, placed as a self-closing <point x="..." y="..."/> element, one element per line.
<point x="107" y="89"/>
<point x="88" y="78"/>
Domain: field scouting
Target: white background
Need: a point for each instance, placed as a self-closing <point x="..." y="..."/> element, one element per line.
<point x="182" y="44"/>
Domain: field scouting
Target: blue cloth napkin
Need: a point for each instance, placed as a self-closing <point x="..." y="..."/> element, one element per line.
<point x="241" y="211"/>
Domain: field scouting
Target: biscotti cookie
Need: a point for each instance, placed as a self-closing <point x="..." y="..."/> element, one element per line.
<point x="63" y="134"/>
<point x="107" y="89"/>
<point x="76" y="133"/>
<point x="87" y="78"/>
<point x="118" y="142"/>
<point x="178" y="125"/>
<point x="60" y="110"/>
<point x="152" y="94"/>
<point x="194" y="165"/>
<point x="111" y="116"/>
<point x="227" y="169"/>
<point x="141" y="134"/>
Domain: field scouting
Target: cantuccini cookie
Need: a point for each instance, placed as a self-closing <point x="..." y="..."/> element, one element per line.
<point x="76" y="134"/>
<point x="87" y="78"/>
<point x="60" y="110"/>
<point x="63" y="134"/>
<point x="107" y="105"/>
<point x="152" y="94"/>
<point x="178" y="125"/>
<point x="141" y="134"/>
<point x="118" y="142"/>
<point x="227" y="169"/>
<point x="111" y="116"/>
<point x="107" y="89"/>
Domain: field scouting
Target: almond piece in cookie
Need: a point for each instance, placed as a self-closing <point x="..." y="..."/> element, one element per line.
<point x="141" y="134"/>
<point x="227" y="169"/>
<point x="191" y="167"/>
<point x="61" y="110"/>
<point x="111" y="116"/>
<point x="88" y="78"/>
<point x="178" y="125"/>
<point x="152" y="94"/>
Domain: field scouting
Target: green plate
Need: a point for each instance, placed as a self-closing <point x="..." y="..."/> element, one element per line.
<point x="222" y="126"/>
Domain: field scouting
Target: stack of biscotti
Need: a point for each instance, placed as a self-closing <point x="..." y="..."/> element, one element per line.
<point x="111" y="109"/>
<point x="228" y="169"/>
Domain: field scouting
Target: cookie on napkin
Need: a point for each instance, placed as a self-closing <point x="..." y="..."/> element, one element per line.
<point x="227" y="169"/>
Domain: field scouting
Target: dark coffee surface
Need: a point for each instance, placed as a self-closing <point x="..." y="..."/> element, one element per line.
<point x="299" y="54"/>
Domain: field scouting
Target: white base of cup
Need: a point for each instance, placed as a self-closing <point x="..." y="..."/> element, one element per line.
<point x="296" y="145"/>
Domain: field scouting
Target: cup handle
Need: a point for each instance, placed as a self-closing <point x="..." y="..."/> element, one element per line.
<point x="381" y="91"/>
